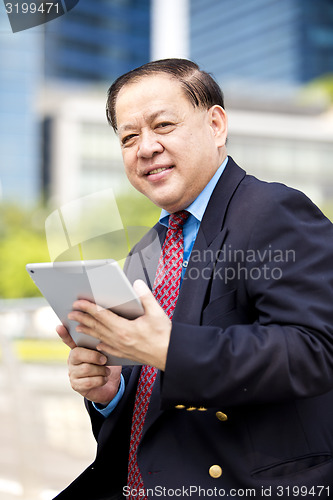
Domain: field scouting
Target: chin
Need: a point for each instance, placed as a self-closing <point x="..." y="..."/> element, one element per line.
<point x="165" y="202"/>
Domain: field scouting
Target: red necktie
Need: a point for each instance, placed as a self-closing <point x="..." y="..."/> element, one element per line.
<point x="166" y="290"/>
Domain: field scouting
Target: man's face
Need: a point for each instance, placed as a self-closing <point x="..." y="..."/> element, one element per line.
<point x="170" y="149"/>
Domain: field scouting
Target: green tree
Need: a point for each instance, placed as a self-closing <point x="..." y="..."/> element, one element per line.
<point x="22" y="240"/>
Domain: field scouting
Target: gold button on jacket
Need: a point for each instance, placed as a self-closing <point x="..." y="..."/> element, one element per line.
<point x="215" y="471"/>
<point x="221" y="416"/>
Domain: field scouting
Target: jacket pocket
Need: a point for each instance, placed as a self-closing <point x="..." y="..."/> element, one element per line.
<point x="299" y="465"/>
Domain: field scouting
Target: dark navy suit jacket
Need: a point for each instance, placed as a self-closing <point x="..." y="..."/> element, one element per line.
<point x="246" y="400"/>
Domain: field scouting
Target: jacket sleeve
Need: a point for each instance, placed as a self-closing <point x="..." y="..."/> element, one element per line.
<point x="96" y="416"/>
<point x="276" y="342"/>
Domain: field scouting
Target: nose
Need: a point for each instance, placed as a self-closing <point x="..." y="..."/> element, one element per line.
<point x="149" y="145"/>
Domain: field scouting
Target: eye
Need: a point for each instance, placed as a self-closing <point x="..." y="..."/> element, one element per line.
<point x="127" y="139"/>
<point x="165" y="126"/>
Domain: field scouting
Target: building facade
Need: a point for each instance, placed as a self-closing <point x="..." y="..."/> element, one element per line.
<point x="281" y="41"/>
<point x="98" y="40"/>
<point x="86" y="51"/>
<point x="21" y="67"/>
<point x="87" y="47"/>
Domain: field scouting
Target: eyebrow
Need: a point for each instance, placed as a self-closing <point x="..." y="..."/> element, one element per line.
<point x="151" y="117"/>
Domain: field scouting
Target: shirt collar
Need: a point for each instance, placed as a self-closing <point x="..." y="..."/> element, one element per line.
<point x="198" y="206"/>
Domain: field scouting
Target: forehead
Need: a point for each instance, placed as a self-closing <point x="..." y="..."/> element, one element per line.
<point x="150" y="94"/>
<point x="155" y="81"/>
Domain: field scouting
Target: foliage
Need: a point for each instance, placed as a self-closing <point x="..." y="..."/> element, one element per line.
<point x="135" y="209"/>
<point x="326" y="83"/>
<point x="22" y="240"/>
<point x="321" y="87"/>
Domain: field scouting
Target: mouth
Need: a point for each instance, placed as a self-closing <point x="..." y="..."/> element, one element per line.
<point x="158" y="170"/>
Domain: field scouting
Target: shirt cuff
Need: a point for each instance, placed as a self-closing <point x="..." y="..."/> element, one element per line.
<point x="107" y="410"/>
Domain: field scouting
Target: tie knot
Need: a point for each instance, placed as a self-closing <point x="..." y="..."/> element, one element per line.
<point x="177" y="220"/>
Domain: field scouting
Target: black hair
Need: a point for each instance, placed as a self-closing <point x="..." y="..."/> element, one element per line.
<point x="199" y="87"/>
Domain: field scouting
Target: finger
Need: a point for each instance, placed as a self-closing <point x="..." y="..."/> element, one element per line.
<point x="83" y="318"/>
<point x="85" y="370"/>
<point x="81" y="355"/>
<point x="95" y="321"/>
<point x="88" y="307"/>
<point x="102" y="347"/>
<point x="83" y="385"/>
<point x="65" y="336"/>
<point x="93" y="316"/>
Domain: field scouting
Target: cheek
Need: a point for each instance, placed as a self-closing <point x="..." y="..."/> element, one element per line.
<point x="129" y="162"/>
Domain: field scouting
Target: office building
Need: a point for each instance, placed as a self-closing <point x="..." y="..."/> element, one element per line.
<point x="90" y="47"/>
<point x="87" y="47"/>
<point x="98" y="40"/>
<point x="286" y="42"/>
<point x="20" y="141"/>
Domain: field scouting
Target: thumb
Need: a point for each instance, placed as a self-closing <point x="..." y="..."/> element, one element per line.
<point x="65" y="336"/>
<point x="145" y="294"/>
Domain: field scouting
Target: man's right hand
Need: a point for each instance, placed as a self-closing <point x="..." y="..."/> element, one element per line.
<point x="88" y="373"/>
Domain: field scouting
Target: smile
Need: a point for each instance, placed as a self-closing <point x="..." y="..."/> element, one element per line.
<point x="158" y="170"/>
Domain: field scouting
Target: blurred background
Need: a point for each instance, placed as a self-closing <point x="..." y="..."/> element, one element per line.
<point x="274" y="62"/>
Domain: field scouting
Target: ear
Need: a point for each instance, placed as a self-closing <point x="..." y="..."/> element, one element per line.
<point x="219" y="124"/>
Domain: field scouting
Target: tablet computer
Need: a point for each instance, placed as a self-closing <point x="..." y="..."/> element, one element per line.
<point x="100" y="281"/>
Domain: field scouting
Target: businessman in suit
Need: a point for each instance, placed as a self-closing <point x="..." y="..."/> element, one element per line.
<point x="242" y="399"/>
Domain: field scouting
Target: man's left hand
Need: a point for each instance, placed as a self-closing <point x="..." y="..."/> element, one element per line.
<point x="144" y="339"/>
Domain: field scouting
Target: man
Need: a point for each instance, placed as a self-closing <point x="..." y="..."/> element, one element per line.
<point x="242" y="401"/>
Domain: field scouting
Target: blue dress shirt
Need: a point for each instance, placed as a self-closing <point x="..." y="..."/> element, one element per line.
<point x="190" y="231"/>
<point x="196" y="210"/>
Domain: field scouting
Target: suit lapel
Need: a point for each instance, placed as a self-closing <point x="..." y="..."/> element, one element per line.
<point x="142" y="262"/>
<point x="209" y="241"/>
